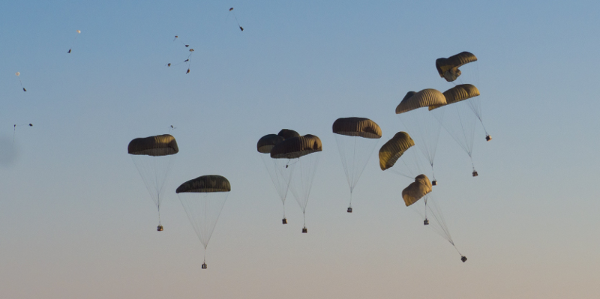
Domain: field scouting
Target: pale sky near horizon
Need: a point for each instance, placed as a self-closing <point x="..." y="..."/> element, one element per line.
<point x="77" y="221"/>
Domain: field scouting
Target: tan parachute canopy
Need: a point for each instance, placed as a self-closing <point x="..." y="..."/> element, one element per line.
<point x="357" y="126"/>
<point x="393" y="149"/>
<point x="419" y="188"/>
<point x="205" y="184"/>
<point x="448" y="67"/>
<point x="267" y="142"/>
<point x="286" y="133"/>
<point x="160" y="145"/>
<point x="297" y="147"/>
<point x="424" y="98"/>
<point x="458" y="93"/>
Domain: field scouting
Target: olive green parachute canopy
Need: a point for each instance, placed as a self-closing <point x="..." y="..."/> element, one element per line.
<point x="448" y="67"/>
<point x="357" y="126"/>
<point x="424" y="98"/>
<point x="458" y="93"/>
<point x="267" y="142"/>
<point x="205" y="184"/>
<point x="285" y="133"/>
<point x="160" y="145"/>
<point x="419" y="188"/>
<point x="297" y="147"/>
<point x="393" y="149"/>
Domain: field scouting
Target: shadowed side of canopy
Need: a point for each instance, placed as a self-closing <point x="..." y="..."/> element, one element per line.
<point x="205" y="184"/>
<point x="357" y="126"/>
<point x="160" y="145"/>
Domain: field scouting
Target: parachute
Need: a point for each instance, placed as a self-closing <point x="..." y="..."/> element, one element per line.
<point x="187" y="61"/>
<point x="421" y="125"/>
<point x="400" y="147"/>
<point x="153" y="156"/>
<point x="19" y="125"/>
<point x="448" y="67"/>
<point x="416" y="190"/>
<point x="460" y="123"/>
<point x="301" y="154"/>
<point x="280" y="175"/>
<point x="78" y="32"/>
<point x="236" y="20"/>
<point x="421" y="189"/>
<point x="18" y="74"/>
<point x="203" y="199"/>
<point x="356" y="139"/>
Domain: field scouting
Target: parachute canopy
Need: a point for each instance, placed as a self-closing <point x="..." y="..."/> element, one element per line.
<point x="160" y="145"/>
<point x="285" y="133"/>
<point x="424" y="98"/>
<point x="448" y="67"/>
<point x="419" y="188"/>
<point x="18" y="74"/>
<point x="266" y="143"/>
<point x="458" y="93"/>
<point x="393" y="149"/>
<point x="78" y="31"/>
<point x="297" y="147"/>
<point x="357" y="126"/>
<point x="205" y="184"/>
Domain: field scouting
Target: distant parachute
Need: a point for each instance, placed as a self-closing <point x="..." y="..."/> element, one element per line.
<point x="301" y="154"/>
<point x="203" y="199"/>
<point x="19" y="125"/>
<point x="448" y="67"/>
<point x="78" y="32"/>
<point x="236" y="20"/>
<point x="356" y="139"/>
<point x="457" y="117"/>
<point x="187" y="61"/>
<point x="280" y="175"/>
<point x="420" y="124"/>
<point x="153" y="156"/>
<point x="18" y="74"/>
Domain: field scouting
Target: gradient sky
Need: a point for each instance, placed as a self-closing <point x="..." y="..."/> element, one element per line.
<point x="77" y="221"/>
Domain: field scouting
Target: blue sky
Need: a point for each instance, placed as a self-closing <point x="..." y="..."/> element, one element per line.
<point x="77" y="220"/>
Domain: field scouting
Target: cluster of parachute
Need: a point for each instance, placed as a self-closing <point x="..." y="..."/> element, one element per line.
<point x="423" y="112"/>
<point x="291" y="162"/>
<point x="291" y="159"/>
<point x="186" y="61"/>
<point x="202" y="198"/>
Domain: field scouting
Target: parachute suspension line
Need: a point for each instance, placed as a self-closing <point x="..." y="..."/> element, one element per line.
<point x="439" y="218"/>
<point x="425" y="208"/>
<point x="304" y="216"/>
<point x="159" y="223"/>
<point x="468" y="145"/>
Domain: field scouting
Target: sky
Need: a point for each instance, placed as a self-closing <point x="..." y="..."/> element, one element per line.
<point x="77" y="221"/>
